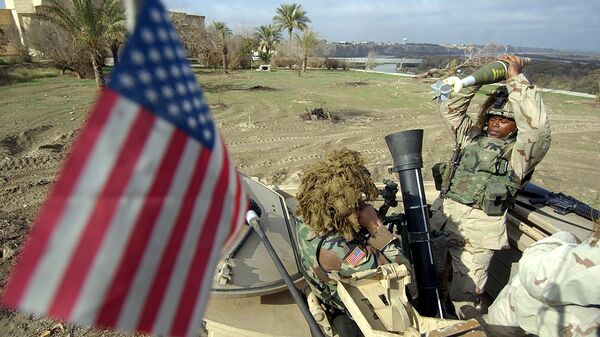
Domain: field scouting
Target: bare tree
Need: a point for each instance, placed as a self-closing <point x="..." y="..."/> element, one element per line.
<point x="200" y="43"/>
<point x="54" y="45"/>
<point x="242" y="45"/>
<point x="371" y="62"/>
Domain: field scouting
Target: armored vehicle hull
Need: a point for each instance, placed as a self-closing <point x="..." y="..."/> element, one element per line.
<point x="249" y="297"/>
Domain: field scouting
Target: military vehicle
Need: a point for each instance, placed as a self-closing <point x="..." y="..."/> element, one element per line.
<point x="250" y="298"/>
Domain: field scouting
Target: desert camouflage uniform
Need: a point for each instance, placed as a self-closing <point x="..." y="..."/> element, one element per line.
<point x="381" y="248"/>
<point x="474" y="235"/>
<point x="556" y="291"/>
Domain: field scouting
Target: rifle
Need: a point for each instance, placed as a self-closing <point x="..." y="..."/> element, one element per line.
<point x="449" y="173"/>
<point x="560" y="202"/>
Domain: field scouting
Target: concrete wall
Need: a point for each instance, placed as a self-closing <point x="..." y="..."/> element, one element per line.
<point x="11" y="32"/>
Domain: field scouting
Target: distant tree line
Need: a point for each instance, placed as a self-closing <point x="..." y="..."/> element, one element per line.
<point x="410" y="50"/>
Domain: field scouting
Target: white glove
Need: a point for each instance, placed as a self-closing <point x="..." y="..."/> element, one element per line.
<point x="455" y="82"/>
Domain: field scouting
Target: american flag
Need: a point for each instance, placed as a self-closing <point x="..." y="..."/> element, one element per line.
<point x="132" y="230"/>
<point x="355" y="256"/>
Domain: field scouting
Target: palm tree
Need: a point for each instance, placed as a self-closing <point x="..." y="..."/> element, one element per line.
<point x="267" y="36"/>
<point x="308" y="41"/>
<point x="115" y="36"/>
<point x="291" y="17"/>
<point x="223" y="32"/>
<point x="87" y="22"/>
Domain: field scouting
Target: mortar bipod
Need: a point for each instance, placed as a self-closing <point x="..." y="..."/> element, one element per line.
<point x="376" y="299"/>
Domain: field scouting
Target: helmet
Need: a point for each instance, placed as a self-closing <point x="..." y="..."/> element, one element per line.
<point x="500" y="106"/>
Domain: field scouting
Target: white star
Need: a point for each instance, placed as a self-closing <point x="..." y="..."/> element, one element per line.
<point x="184" y="69"/>
<point x="163" y="35"/>
<point x="147" y="35"/>
<point x="181" y="88"/>
<point x="187" y="106"/>
<point x="137" y="57"/>
<point x="173" y="34"/>
<point x="126" y="80"/>
<point x="169" y="53"/>
<point x="181" y="53"/>
<point x="154" y="55"/>
<point x="145" y="76"/>
<point x="196" y="102"/>
<point x="155" y="15"/>
<point x="167" y="17"/>
<point x="151" y="95"/>
<point x="207" y="134"/>
<point x="173" y="109"/>
<point x="192" y="122"/>
<point x="191" y="86"/>
<point x="161" y="73"/>
<point x="175" y="71"/>
<point x="167" y="91"/>
<point x="202" y="119"/>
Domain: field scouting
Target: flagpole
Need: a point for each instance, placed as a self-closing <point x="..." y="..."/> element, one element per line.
<point x="254" y="221"/>
<point x="132" y="8"/>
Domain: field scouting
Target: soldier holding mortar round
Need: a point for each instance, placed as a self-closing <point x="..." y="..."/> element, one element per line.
<point x="494" y="156"/>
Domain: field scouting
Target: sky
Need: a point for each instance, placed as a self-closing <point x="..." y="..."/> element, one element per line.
<point x="558" y="24"/>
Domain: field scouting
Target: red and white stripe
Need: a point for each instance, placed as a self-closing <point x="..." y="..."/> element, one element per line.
<point x="131" y="232"/>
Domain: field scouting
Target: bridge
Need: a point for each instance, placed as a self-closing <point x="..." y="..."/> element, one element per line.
<point x="402" y="61"/>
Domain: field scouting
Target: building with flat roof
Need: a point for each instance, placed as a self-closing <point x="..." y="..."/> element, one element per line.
<point x="16" y="18"/>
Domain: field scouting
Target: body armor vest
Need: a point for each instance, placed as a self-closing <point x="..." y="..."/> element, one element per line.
<point x="483" y="178"/>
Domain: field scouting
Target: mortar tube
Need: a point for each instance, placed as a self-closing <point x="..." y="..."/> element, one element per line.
<point x="405" y="148"/>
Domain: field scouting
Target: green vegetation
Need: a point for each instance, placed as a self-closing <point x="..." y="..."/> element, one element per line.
<point x="95" y="25"/>
<point x="308" y="42"/>
<point x="290" y="17"/>
<point x="23" y="74"/>
<point x="267" y="36"/>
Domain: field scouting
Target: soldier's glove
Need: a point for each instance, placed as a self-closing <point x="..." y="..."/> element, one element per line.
<point x="455" y="82"/>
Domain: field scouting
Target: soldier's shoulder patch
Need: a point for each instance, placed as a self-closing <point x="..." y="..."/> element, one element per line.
<point x="355" y="257"/>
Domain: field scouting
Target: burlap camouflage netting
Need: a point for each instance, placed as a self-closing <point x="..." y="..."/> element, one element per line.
<point x="330" y="193"/>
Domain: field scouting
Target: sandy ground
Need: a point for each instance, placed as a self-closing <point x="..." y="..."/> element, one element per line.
<point x="265" y="142"/>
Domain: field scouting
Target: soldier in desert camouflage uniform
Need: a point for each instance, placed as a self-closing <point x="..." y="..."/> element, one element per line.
<point x="556" y="291"/>
<point x="332" y="202"/>
<point x="498" y="153"/>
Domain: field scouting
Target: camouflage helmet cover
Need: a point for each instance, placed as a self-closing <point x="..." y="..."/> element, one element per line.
<point x="331" y="192"/>
<point x="500" y="105"/>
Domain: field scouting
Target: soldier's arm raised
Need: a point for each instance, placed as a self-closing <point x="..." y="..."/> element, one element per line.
<point x="454" y="112"/>
<point x="533" y="138"/>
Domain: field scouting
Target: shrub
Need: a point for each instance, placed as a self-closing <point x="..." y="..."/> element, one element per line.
<point x="316" y="62"/>
<point x="331" y="64"/>
<point x="284" y="62"/>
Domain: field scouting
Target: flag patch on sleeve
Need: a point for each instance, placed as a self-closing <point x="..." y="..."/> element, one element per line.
<point x="355" y="257"/>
